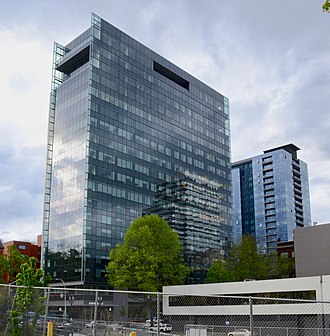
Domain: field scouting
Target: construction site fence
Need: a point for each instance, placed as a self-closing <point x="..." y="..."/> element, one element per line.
<point x="71" y="311"/>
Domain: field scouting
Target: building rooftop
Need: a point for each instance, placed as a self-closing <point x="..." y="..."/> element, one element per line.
<point x="290" y="148"/>
<point x="241" y="162"/>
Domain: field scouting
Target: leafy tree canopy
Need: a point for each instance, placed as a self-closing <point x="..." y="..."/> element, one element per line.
<point x="4" y="268"/>
<point x="245" y="262"/>
<point x="326" y="6"/>
<point x="30" y="275"/>
<point x="149" y="258"/>
<point x="10" y="264"/>
<point x="218" y="273"/>
<point x="27" y="299"/>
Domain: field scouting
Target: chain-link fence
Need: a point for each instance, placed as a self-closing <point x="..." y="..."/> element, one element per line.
<point x="76" y="312"/>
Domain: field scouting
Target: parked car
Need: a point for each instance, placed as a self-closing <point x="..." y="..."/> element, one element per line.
<point x="99" y="323"/>
<point x="154" y="321"/>
<point x="89" y="324"/>
<point x="240" y="332"/>
<point x="165" y="328"/>
<point x="64" y="325"/>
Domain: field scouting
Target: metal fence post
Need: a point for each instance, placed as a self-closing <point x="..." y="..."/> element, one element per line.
<point x="46" y="312"/>
<point x="158" y="313"/>
<point x="12" y="308"/>
<point x="95" y="312"/>
<point x="251" y="315"/>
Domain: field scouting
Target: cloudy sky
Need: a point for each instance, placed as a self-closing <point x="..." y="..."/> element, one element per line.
<point x="270" y="58"/>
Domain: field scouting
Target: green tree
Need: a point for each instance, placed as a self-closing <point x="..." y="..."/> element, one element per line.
<point x="27" y="299"/>
<point x="218" y="273"/>
<point x="149" y="258"/>
<point x="14" y="261"/>
<point x="245" y="262"/>
<point x="279" y="266"/>
<point x="326" y="6"/>
<point x="4" y="268"/>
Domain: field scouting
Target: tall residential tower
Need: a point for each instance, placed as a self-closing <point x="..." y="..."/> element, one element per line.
<point x="270" y="196"/>
<point x="123" y="122"/>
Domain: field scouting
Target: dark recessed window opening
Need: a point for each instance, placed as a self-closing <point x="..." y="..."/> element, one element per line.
<point x="171" y="75"/>
<point x="74" y="62"/>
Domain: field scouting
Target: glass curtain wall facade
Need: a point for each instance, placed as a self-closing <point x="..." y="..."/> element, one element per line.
<point x="192" y="207"/>
<point x="271" y="196"/>
<point x="123" y="120"/>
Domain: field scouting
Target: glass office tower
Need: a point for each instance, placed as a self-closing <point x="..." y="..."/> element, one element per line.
<point x="270" y="196"/>
<point x="191" y="205"/>
<point x="123" y="120"/>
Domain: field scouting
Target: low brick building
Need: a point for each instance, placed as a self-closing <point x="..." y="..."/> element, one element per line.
<point x="25" y="248"/>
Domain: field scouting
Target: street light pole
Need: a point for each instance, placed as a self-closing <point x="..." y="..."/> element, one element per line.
<point x="59" y="279"/>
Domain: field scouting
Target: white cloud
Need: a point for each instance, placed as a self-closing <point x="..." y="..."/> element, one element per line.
<point x="14" y="230"/>
<point x="24" y="96"/>
<point x="25" y="84"/>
